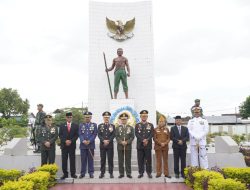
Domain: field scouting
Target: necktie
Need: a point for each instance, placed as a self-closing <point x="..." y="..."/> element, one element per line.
<point x="179" y="128"/>
<point x="68" y="125"/>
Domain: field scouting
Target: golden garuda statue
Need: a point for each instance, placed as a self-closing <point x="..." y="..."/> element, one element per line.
<point x="120" y="31"/>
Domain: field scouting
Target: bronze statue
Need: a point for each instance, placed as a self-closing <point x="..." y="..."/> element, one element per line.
<point x="119" y="63"/>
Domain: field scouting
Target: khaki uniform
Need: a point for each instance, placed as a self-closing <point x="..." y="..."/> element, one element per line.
<point x="161" y="135"/>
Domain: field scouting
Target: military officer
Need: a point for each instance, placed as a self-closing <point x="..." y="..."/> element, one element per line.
<point x="198" y="129"/>
<point x="48" y="136"/>
<point x="144" y="132"/>
<point x="124" y="136"/>
<point x="161" y="138"/>
<point x="38" y="123"/>
<point x="106" y="134"/>
<point x="197" y="103"/>
<point x="87" y="135"/>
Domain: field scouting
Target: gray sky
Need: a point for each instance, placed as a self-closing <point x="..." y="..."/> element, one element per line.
<point x="202" y="50"/>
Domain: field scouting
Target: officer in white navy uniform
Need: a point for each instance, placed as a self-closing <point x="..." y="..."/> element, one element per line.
<point x="198" y="130"/>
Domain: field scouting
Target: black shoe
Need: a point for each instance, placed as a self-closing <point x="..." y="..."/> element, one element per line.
<point x="129" y="176"/>
<point x="168" y="176"/>
<point x="111" y="176"/>
<point x="37" y="151"/>
<point x="81" y="176"/>
<point x="157" y="176"/>
<point x="74" y="176"/>
<point x="63" y="177"/>
<point x="177" y="176"/>
<point x="91" y="175"/>
<point x="140" y="175"/>
<point x="101" y="175"/>
<point x="150" y="176"/>
<point x="120" y="176"/>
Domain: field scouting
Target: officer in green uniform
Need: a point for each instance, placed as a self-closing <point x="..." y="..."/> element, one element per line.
<point x="124" y="136"/>
<point x="38" y="123"/>
<point x="48" y="136"/>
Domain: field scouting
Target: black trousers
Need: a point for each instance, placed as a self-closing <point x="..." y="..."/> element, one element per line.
<point x="104" y="153"/>
<point x="144" y="156"/>
<point x="48" y="156"/>
<point x="179" y="154"/>
<point x="69" y="152"/>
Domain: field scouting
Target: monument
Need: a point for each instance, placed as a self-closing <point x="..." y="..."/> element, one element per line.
<point x="127" y="26"/>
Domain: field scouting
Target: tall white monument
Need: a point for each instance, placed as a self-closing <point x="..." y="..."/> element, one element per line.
<point x="138" y="48"/>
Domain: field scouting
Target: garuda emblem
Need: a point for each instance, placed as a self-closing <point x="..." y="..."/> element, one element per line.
<point x="120" y="31"/>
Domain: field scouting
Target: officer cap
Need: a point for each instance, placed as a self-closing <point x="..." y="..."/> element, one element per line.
<point x="41" y="105"/>
<point x="123" y="116"/>
<point x="68" y="114"/>
<point x="144" y="112"/>
<point x="106" y="114"/>
<point x="87" y="113"/>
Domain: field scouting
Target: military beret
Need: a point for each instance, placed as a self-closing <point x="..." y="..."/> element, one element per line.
<point x="69" y="114"/>
<point x="178" y="117"/>
<point x="87" y="113"/>
<point x="106" y="114"/>
<point x="40" y="105"/>
<point x="123" y="116"/>
<point x="197" y="100"/>
<point x="144" y="112"/>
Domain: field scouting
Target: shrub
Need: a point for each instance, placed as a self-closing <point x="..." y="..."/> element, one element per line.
<point x="17" y="185"/>
<point x="225" y="184"/>
<point x="239" y="174"/>
<point x="9" y="175"/>
<point x="189" y="172"/>
<point x="201" y="178"/>
<point x="39" y="178"/>
<point x="52" y="169"/>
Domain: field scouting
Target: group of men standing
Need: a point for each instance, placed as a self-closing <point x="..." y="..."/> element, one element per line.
<point x="124" y="134"/>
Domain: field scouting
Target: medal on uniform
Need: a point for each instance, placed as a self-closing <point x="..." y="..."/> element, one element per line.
<point x="53" y="130"/>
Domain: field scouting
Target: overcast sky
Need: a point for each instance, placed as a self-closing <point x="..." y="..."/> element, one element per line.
<point x="202" y="50"/>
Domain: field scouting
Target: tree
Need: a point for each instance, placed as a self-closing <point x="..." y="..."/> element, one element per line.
<point x="11" y="104"/>
<point x="245" y="108"/>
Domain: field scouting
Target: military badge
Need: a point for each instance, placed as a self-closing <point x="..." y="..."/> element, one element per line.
<point x="110" y="128"/>
<point x="148" y="127"/>
<point x="128" y="130"/>
<point x="53" y="130"/>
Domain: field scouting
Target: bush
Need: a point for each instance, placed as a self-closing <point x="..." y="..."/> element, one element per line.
<point x="239" y="174"/>
<point x="17" y="185"/>
<point x="201" y="178"/>
<point x="225" y="184"/>
<point x="9" y="175"/>
<point x="52" y="169"/>
<point x="189" y="172"/>
<point x="39" y="178"/>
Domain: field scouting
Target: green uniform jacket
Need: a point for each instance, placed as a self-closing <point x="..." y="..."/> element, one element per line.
<point x="48" y="134"/>
<point x="126" y="133"/>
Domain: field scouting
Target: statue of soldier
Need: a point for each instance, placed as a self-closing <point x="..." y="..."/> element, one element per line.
<point x="119" y="63"/>
<point x="38" y="123"/>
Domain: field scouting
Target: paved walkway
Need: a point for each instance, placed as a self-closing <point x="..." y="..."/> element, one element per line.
<point x="168" y="186"/>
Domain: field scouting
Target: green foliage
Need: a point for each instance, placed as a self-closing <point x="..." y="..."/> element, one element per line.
<point x="245" y="108"/>
<point x="11" y="104"/>
<point x="239" y="174"/>
<point x="202" y="178"/>
<point x="239" y="138"/>
<point x="17" y="185"/>
<point x="39" y="178"/>
<point x="77" y="115"/>
<point x="9" y="175"/>
<point x="52" y="169"/>
<point x="189" y="172"/>
<point x="225" y="184"/>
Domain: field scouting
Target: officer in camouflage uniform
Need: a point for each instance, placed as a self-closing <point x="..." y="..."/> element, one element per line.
<point x="124" y="136"/>
<point x="106" y="134"/>
<point x="38" y="123"/>
<point x="47" y="137"/>
<point x="144" y="132"/>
